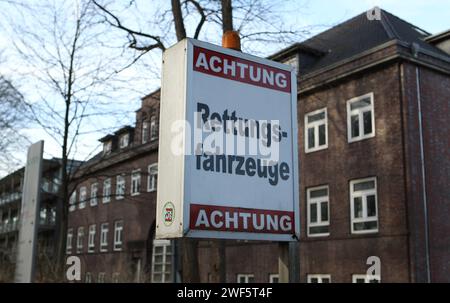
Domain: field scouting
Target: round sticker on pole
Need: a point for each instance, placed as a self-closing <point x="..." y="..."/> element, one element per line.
<point x="168" y="213"/>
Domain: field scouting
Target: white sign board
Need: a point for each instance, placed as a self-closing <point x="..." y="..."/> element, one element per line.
<point x="29" y="214"/>
<point x="228" y="163"/>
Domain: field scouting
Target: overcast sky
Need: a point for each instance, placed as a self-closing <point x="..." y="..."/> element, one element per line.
<point x="432" y="16"/>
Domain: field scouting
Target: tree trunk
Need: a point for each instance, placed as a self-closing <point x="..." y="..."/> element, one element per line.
<point x="227" y="15"/>
<point x="190" y="261"/>
<point x="178" y="20"/>
<point x="218" y="261"/>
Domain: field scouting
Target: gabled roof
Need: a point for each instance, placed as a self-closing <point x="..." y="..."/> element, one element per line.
<point x="360" y="34"/>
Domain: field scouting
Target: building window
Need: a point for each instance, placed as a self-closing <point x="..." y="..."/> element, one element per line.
<point x="118" y="234"/>
<point x="73" y="201"/>
<point x="162" y="261"/>
<point x="69" y="241"/>
<point x="274" y="278"/>
<point x="80" y="239"/>
<point x="107" y="146"/>
<point x="124" y="140"/>
<point x="88" y="278"/>
<point x="106" y="191"/>
<point x="364" y="213"/>
<point x="153" y="129"/>
<point x="94" y="194"/>
<point x="316" y="131"/>
<point x="360" y="118"/>
<point x="152" y="180"/>
<point x="83" y="195"/>
<point x="104" y="229"/>
<point x="91" y="239"/>
<point x="116" y="277"/>
<point x="101" y="277"/>
<point x="120" y="187"/>
<point x="318" y="211"/>
<point x="145" y="131"/>
<point x="365" y="279"/>
<point x="319" y="279"/>
<point x="245" y="278"/>
<point x="135" y="182"/>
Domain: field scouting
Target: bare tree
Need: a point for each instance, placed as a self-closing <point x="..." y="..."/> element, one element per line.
<point x="12" y="119"/>
<point x="258" y="21"/>
<point x="63" y="47"/>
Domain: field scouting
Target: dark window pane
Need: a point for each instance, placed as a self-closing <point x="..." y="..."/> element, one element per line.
<point x="322" y="138"/>
<point x="360" y="104"/>
<point x="359" y="280"/>
<point x="325" y="280"/>
<point x="318" y="230"/>
<point x="371" y="206"/>
<point x="324" y="211"/>
<point x="313" y="211"/>
<point x="314" y="280"/>
<point x="374" y="281"/>
<point x="251" y="279"/>
<point x="367" y="116"/>
<point x="318" y="193"/>
<point x="365" y="226"/>
<point x="355" y="126"/>
<point x="358" y="207"/>
<point x="311" y="142"/>
<point x="316" y="117"/>
<point x="364" y="186"/>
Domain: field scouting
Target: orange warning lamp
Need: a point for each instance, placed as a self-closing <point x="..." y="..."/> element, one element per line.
<point x="231" y="39"/>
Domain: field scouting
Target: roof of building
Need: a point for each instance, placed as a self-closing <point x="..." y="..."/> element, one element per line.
<point x="358" y="35"/>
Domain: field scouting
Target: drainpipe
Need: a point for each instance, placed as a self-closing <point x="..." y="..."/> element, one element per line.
<point x="416" y="50"/>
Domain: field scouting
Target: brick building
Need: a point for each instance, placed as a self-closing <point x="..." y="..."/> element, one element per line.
<point x="374" y="148"/>
<point x="112" y="209"/>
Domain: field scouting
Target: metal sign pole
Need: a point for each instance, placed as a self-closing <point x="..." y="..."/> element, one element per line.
<point x="29" y="215"/>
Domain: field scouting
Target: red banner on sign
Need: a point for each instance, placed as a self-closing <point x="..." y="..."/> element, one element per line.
<point x="242" y="70"/>
<point x="220" y="218"/>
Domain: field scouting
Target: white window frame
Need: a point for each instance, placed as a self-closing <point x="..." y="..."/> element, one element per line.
<point x="118" y="235"/>
<point x="124" y="140"/>
<point x="145" y="131"/>
<point x="366" y="278"/>
<point x="272" y="278"/>
<point x="73" y="201"/>
<point x="153" y="129"/>
<point x="166" y="253"/>
<point x="104" y="231"/>
<point x="94" y="194"/>
<point x="101" y="277"/>
<point x="120" y="181"/>
<point x="135" y="177"/>
<point x="69" y="241"/>
<point x="88" y="278"/>
<point x="319" y="277"/>
<point x="246" y="277"/>
<point x="107" y="147"/>
<point x="80" y="239"/>
<point x="317" y="201"/>
<point x="316" y="125"/>
<point x="91" y="238"/>
<point x="83" y="197"/>
<point x="151" y="180"/>
<point x="363" y="195"/>
<point x="106" y="195"/>
<point x="115" y="277"/>
<point x="360" y="112"/>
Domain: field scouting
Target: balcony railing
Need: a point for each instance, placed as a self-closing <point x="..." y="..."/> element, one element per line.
<point x="7" y="227"/>
<point x="9" y="198"/>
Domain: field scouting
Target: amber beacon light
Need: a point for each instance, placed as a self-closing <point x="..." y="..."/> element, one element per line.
<point x="231" y="39"/>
